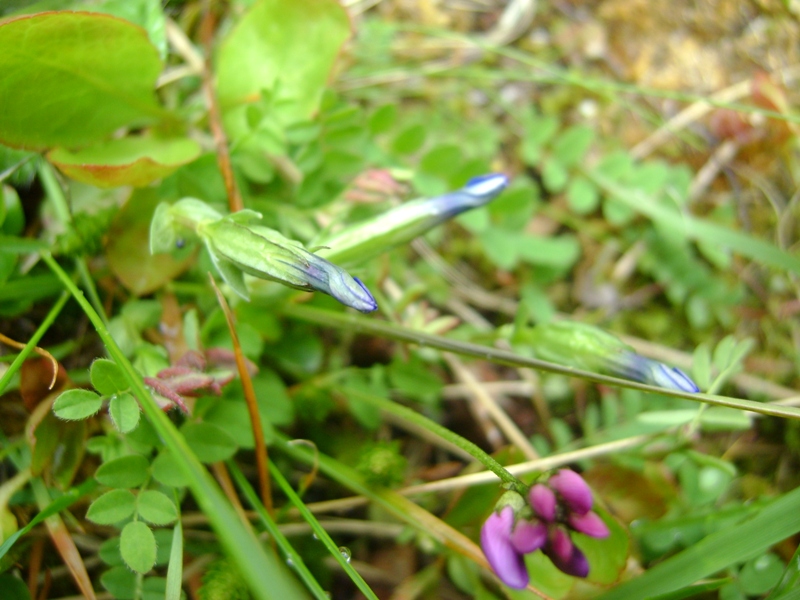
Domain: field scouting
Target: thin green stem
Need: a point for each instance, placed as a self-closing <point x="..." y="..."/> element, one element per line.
<point x="265" y="575"/>
<point x="40" y="331"/>
<point x="352" y="322"/>
<point x="418" y="419"/>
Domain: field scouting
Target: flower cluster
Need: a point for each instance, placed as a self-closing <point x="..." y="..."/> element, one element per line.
<point x="544" y="522"/>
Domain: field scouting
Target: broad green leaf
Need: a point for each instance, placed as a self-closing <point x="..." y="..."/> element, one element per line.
<point x="107" y="378"/>
<point x="72" y="78"/>
<point x="112" y="507"/>
<point x="156" y="508"/>
<point x="749" y="538"/>
<point x="135" y="161"/>
<point x="209" y="443"/>
<point x="284" y="48"/>
<point x="77" y="404"/>
<point x="138" y="546"/>
<point x="128" y="249"/>
<point x="124" y="412"/>
<point x="120" y="581"/>
<point x="148" y="14"/>
<point x="124" y="472"/>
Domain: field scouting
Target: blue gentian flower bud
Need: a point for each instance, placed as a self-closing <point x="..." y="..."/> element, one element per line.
<point x="587" y="347"/>
<point x="370" y="238"/>
<point x="238" y="244"/>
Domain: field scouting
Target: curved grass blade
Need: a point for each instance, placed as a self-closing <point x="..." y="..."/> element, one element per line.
<point x="265" y="575"/>
<point x="292" y="557"/>
<point x="321" y="533"/>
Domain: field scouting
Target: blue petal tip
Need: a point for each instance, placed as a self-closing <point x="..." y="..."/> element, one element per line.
<point x="487" y="185"/>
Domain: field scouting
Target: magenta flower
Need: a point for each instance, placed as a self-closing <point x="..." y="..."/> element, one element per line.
<point x="543" y="502"/>
<point x="507" y="562"/>
<point x="528" y="536"/>
<point x="573" y="489"/>
<point x="553" y="510"/>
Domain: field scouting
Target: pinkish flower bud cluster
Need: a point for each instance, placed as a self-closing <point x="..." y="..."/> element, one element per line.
<point x="544" y="522"/>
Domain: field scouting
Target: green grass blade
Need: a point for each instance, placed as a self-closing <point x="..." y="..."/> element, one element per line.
<point x="320" y="532"/>
<point x="775" y="522"/>
<point x="264" y="573"/>
<point x="292" y="557"/>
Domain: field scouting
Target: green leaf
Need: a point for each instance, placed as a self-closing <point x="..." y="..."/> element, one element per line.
<point x="128" y="250"/>
<point x="209" y="443"/>
<point x="570" y="147"/>
<point x="124" y="412"/>
<point x="135" y="161"/>
<point x="107" y="378"/>
<point x="559" y="251"/>
<point x="112" y="507"/>
<point x="284" y="48"/>
<point x="155" y="507"/>
<point x="72" y="78"/>
<point x="109" y="552"/>
<point x="148" y="14"/>
<point x="410" y="139"/>
<point x="138" y="546"/>
<point x="124" y="472"/>
<point x="77" y="404"/>
<point x="120" y="581"/>
<point x="13" y="588"/>
<point x="555" y="175"/>
<point x="582" y="195"/>
<point x="166" y="470"/>
<point x="761" y="574"/>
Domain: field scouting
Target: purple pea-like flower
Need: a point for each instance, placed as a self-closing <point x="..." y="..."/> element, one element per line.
<point x="506" y="561"/>
<point x="588" y="524"/>
<point x="528" y="536"/>
<point x="543" y="502"/>
<point x="573" y="489"/>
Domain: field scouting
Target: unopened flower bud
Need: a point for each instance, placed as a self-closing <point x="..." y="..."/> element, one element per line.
<point x="528" y="536"/>
<point x="543" y="502"/>
<point x="573" y="489"/>
<point x="587" y="347"/>
<point x="365" y="240"/>
<point x="588" y="524"/>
